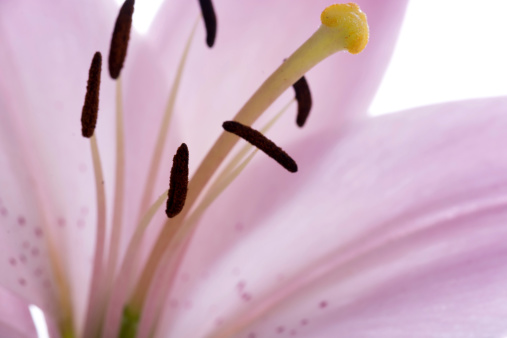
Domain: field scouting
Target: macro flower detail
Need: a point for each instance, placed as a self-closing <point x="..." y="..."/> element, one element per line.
<point x="387" y="224"/>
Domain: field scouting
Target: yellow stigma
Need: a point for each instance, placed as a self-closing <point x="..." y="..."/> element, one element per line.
<point x="350" y="23"/>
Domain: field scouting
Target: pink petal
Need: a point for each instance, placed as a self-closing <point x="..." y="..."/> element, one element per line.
<point x="15" y="319"/>
<point x="46" y="164"/>
<point x="383" y="224"/>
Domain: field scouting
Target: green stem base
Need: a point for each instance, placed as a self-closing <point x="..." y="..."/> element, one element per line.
<point x="129" y="322"/>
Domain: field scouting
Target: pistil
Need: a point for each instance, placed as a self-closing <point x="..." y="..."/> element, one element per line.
<point x="344" y="27"/>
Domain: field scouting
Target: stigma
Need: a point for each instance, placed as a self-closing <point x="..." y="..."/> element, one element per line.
<point x="349" y="24"/>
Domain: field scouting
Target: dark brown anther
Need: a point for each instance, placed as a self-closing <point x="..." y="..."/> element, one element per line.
<point x="304" y="98"/>
<point x="91" y="103"/>
<point x="120" y="39"/>
<point x="210" y="21"/>
<point x="263" y="143"/>
<point x="178" y="184"/>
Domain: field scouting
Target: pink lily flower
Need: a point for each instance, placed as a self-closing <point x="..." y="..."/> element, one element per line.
<point x="393" y="226"/>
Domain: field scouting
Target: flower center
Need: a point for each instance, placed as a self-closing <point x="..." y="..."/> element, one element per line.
<point x="344" y="27"/>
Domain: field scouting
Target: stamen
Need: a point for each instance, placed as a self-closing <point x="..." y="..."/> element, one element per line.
<point x="210" y="21"/>
<point x="91" y="104"/>
<point x="97" y="290"/>
<point x="233" y="163"/>
<point x="131" y="259"/>
<point x="88" y="123"/>
<point x="178" y="183"/>
<point x="120" y="39"/>
<point x="119" y="185"/>
<point x="117" y="221"/>
<point x="263" y="143"/>
<point x="304" y="98"/>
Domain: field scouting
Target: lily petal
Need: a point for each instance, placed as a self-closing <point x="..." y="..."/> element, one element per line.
<point x="414" y="202"/>
<point x="15" y="319"/>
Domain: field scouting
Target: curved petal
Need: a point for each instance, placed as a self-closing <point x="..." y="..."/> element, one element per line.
<point x="15" y="319"/>
<point x="395" y="201"/>
<point x="47" y="181"/>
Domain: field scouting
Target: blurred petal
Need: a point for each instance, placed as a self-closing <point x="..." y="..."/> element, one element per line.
<point x="15" y="319"/>
<point x="408" y="205"/>
<point x="46" y="165"/>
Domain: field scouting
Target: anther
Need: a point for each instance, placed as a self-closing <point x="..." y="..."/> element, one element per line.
<point x="178" y="184"/>
<point x="304" y="99"/>
<point x="120" y="39"/>
<point x="91" y="103"/>
<point x="210" y="21"/>
<point x="263" y="143"/>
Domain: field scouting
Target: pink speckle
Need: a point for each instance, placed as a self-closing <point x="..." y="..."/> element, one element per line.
<point x="21" y="221"/>
<point x="81" y="223"/>
<point x="61" y="222"/>
<point x="323" y="304"/>
<point x="293" y="332"/>
<point x="13" y="261"/>
<point x="22" y="281"/>
<point x="35" y="252"/>
<point x="82" y="167"/>
<point x="38" y="272"/>
<point x="188" y="305"/>
<point x="241" y="285"/>
<point x="219" y="322"/>
<point x="22" y="258"/>
<point x="280" y="329"/>
<point x="26" y="245"/>
<point x="38" y="232"/>
<point x="304" y="322"/>
<point x="252" y="335"/>
<point x="84" y="210"/>
<point x="239" y="227"/>
<point x="46" y="284"/>
<point x="3" y="211"/>
<point x="246" y="297"/>
<point x="174" y="303"/>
